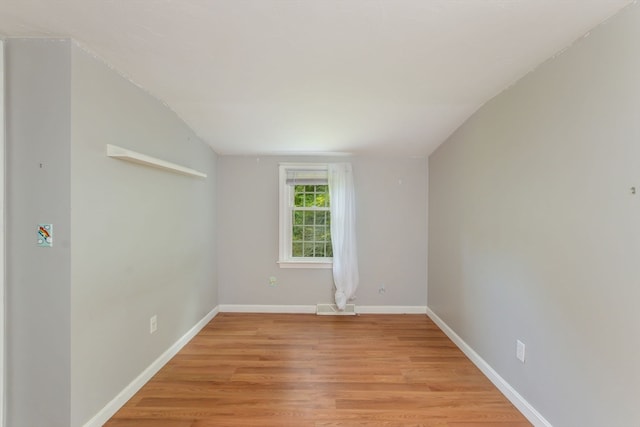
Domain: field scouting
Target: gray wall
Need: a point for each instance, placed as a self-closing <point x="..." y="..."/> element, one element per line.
<point x="534" y="235"/>
<point x="391" y="234"/>
<point x="38" y="282"/>
<point x="144" y="239"/>
<point x="129" y="241"/>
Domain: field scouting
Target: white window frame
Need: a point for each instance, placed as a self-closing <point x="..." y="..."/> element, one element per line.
<point x="285" y="259"/>
<point x="2" y="235"/>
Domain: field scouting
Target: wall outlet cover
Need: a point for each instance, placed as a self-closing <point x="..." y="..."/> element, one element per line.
<point x="153" y="324"/>
<point x="520" y="350"/>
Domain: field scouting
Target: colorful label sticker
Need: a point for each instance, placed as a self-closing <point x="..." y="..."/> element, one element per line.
<point x="45" y="235"/>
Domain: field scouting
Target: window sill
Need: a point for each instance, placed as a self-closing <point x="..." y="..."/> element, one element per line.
<point x="305" y="264"/>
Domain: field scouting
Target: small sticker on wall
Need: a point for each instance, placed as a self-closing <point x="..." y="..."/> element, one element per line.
<point x="45" y="235"/>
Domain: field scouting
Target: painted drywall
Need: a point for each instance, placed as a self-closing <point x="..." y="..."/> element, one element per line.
<point x="391" y="231"/>
<point x="38" y="191"/>
<point x="144" y="239"/>
<point x="534" y="233"/>
<point x="129" y="241"/>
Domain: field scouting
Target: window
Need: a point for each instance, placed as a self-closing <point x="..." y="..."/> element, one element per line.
<point x="311" y="236"/>
<point x="305" y="219"/>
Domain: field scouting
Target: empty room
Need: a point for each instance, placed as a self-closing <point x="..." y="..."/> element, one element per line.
<point x="319" y="213"/>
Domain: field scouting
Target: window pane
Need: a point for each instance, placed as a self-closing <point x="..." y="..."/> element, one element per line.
<point x="308" y="234"/>
<point x="320" y="200"/>
<point x="298" y="217"/>
<point x="320" y="249"/>
<point x="296" y="249"/>
<point x="309" y="217"/>
<point x="297" y="234"/>
<point x="307" y="250"/>
<point x="309" y="199"/>
<point x="327" y="231"/>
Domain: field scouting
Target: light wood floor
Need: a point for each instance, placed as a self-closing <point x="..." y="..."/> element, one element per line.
<point x="307" y="370"/>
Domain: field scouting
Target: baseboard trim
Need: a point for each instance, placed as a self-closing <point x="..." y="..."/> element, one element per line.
<point x="510" y="393"/>
<point x="311" y="309"/>
<point x="255" y="308"/>
<point x="112" y="407"/>
<point x="391" y="309"/>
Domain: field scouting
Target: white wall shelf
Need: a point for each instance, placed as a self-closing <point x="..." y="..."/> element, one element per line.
<point x="135" y="157"/>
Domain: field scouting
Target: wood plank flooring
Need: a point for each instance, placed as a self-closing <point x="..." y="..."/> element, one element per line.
<point x="306" y="370"/>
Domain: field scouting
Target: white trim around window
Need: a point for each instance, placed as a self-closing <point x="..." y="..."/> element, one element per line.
<point x="285" y="259"/>
<point x="2" y="235"/>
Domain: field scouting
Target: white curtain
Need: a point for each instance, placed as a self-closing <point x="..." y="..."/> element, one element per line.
<point x="343" y="232"/>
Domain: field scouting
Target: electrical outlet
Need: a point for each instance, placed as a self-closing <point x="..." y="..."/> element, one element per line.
<point x="382" y="289"/>
<point x="153" y="324"/>
<point x="520" y="350"/>
<point x="273" y="281"/>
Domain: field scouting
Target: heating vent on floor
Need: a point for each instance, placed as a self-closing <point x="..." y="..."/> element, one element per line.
<point x="332" y="309"/>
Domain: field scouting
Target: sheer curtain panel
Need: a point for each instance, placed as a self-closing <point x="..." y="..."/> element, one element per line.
<point x="343" y="232"/>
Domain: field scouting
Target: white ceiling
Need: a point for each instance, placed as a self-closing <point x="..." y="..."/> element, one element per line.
<point x="299" y="76"/>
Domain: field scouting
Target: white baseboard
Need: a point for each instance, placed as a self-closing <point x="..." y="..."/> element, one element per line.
<point x="112" y="407"/>
<point x="255" y="308"/>
<point x="311" y="309"/>
<point x="510" y="393"/>
<point x="391" y="309"/>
